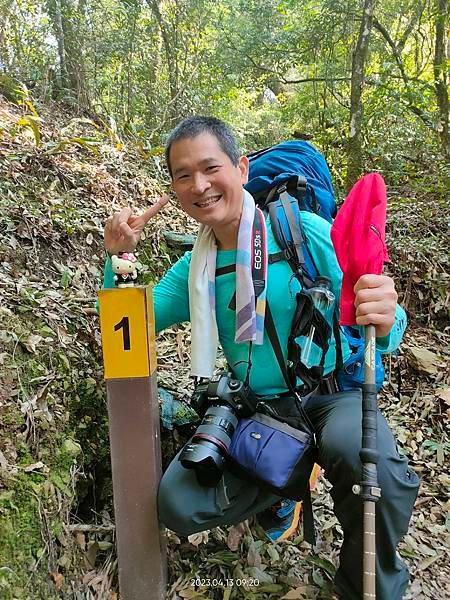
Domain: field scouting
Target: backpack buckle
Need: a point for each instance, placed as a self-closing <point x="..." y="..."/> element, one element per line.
<point x="301" y="183"/>
<point x="297" y="186"/>
<point x="289" y="253"/>
<point x="282" y="187"/>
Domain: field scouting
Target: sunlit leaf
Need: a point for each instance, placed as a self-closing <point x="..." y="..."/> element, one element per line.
<point x="31" y="122"/>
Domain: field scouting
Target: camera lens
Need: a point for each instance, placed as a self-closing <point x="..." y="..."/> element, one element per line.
<point x="208" y="448"/>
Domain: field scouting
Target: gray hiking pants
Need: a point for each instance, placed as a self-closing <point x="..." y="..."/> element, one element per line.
<point x="186" y="507"/>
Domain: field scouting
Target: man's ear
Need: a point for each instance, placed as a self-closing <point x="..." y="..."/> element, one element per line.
<point x="243" y="168"/>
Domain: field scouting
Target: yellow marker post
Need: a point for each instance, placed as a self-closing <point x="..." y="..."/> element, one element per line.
<point x="129" y="356"/>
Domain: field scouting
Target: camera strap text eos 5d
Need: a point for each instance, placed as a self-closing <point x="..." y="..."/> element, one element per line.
<point x="259" y="249"/>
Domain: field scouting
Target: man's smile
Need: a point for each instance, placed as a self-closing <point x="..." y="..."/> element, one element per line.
<point x="208" y="201"/>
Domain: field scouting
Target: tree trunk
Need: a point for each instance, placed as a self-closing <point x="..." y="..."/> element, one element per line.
<point x="54" y="10"/>
<point x="170" y="51"/>
<point x="440" y="73"/>
<point x="5" y="25"/>
<point x="68" y="25"/>
<point x="354" y="151"/>
<point x="74" y="32"/>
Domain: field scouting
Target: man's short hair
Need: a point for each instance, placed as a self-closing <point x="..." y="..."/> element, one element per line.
<point x="191" y="127"/>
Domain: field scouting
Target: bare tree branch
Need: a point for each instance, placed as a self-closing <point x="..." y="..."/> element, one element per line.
<point x="406" y="79"/>
<point x="309" y="79"/>
<point x="384" y="32"/>
<point x="408" y="29"/>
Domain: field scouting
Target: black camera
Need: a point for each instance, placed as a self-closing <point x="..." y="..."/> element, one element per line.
<point x="221" y="402"/>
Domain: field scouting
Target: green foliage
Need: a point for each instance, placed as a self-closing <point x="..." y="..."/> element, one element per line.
<point x="147" y="64"/>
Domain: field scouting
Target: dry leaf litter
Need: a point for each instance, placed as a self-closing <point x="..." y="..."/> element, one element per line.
<point x="55" y="487"/>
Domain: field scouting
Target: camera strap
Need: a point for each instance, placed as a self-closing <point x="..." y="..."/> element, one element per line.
<point x="258" y="268"/>
<point x="258" y="262"/>
<point x="259" y="251"/>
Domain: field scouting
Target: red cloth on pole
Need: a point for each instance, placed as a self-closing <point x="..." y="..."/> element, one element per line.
<point x="358" y="236"/>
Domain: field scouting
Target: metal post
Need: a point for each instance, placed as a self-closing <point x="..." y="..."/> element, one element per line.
<point x="128" y="341"/>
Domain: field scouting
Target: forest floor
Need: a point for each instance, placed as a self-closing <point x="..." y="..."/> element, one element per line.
<point x="59" y="178"/>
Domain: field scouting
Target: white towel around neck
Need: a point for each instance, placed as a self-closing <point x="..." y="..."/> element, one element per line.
<point x="202" y="298"/>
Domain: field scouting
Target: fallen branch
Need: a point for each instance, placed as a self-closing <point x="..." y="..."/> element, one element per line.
<point x="91" y="528"/>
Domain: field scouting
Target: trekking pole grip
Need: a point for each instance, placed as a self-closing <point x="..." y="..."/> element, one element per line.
<point x="369" y="453"/>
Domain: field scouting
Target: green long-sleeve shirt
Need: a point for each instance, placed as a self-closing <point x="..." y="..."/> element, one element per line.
<point x="171" y="303"/>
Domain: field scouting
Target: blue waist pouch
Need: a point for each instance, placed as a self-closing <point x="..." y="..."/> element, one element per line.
<point x="351" y="375"/>
<point x="274" y="453"/>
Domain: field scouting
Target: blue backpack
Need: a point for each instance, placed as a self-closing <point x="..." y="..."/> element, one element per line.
<point x="302" y="168"/>
<point x="285" y="179"/>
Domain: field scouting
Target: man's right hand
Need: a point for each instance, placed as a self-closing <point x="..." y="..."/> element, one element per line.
<point x="123" y="230"/>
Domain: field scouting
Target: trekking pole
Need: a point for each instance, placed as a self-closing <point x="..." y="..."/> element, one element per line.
<point x="368" y="489"/>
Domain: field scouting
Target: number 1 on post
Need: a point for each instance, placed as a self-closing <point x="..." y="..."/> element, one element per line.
<point x="125" y="325"/>
<point x="127" y="339"/>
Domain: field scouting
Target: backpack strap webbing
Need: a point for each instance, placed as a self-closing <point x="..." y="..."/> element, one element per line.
<point x="289" y="376"/>
<point x="276" y="256"/>
<point x="224" y="270"/>
<point x="339" y="361"/>
<point x="294" y="251"/>
<point x="289" y="371"/>
<point x="296" y="231"/>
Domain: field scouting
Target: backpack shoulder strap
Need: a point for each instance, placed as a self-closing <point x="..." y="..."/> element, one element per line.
<point x="294" y="248"/>
<point x="294" y="224"/>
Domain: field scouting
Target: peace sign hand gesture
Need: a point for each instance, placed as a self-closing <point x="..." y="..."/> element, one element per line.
<point x="123" y="230"/>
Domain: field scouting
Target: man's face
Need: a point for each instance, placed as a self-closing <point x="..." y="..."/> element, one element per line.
<point x="207" y="184"/>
